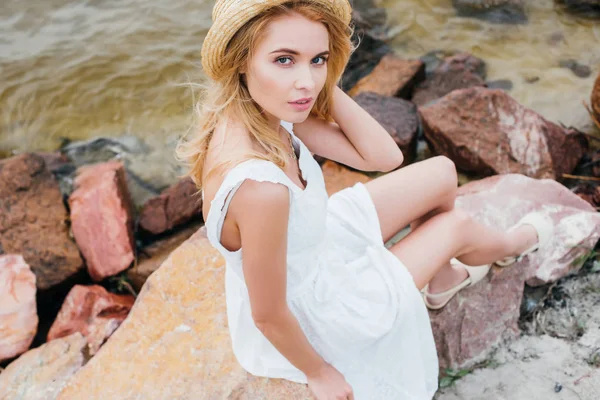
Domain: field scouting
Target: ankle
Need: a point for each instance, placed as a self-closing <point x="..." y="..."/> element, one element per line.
<point x="448" y="276"/>
<point x="522" y="239"/>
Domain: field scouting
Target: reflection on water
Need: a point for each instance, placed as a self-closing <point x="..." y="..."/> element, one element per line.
<point x="78" y="69"/>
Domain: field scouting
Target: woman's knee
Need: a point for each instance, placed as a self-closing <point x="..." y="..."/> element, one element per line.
<point x="447" y="178"/>
<point x="458" y="220"/>
<point x="448" y="174"/>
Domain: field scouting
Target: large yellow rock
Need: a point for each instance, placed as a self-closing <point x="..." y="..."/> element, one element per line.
<point x="175" y="343"/>
<point x="338" y="177"/>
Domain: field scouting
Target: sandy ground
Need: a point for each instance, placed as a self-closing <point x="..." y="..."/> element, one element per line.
<point x="558" y="355"/>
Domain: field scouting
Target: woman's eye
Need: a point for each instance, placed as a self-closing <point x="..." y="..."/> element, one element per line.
<point x="321" y="57"/>
<point x="283" y="58"/>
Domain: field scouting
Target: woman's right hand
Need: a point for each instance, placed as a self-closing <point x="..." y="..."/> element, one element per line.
<point x="329" y="384"/>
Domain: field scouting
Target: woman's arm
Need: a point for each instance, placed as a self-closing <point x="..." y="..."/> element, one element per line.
<point x="261" y="212"/>
<point x="355" y="139"/>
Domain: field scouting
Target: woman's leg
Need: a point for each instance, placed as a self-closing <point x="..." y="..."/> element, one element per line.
<point x="412" y="195"/>
<point x="408" y="194"/>
<point x="422" y="195"/>
<point x="454" y="233"/>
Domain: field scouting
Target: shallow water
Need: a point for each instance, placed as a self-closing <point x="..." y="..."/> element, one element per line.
<point x="76" y="69"/>
<point x="519" y="53"/>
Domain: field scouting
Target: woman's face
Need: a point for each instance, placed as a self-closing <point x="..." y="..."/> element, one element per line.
<point x="289" y="64"/>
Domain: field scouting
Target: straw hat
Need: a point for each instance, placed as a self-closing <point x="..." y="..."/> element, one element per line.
<point x="230" y="15"/>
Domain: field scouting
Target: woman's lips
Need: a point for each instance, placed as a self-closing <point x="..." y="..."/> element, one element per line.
<point x="300" y="106"/>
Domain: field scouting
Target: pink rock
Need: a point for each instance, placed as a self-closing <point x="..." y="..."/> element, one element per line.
<point x="93" y="312"/>
<point x="477" y="319"/>
<point x="487" y="132"/>
<point x="101" y="218"/>
<point x="18" y="309"/>
<point x="502" y="200"/>
<point x="176" y="205"/>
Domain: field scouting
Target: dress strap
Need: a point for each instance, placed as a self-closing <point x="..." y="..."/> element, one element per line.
<point x="255" y="169"/>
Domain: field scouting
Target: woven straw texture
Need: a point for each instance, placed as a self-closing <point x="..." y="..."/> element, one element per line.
<point x="229" y="16"/>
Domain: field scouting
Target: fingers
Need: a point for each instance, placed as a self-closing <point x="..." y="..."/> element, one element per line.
<point x="350" y="393"/>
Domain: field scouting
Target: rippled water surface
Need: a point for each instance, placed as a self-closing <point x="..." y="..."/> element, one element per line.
<point x="520" y="53"/>
<point x="79" y="69"/>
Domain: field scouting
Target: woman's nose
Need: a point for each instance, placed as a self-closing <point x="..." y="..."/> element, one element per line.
<point x="305" y="78"/>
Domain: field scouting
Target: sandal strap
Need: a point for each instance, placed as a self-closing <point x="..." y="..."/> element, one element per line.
<point x="450" y="291"/>
<point x="528" y="251"/>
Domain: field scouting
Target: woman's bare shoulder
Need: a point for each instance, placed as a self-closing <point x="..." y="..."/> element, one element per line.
<point x="258" y="204"/>
<point x="227" y="148"/>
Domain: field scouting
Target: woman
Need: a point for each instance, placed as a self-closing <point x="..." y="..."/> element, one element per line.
<point x="313" y="296"/>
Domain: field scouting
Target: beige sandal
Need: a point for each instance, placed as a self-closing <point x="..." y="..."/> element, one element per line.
<point x="544" y="228"/>
<point x="476" y="274"/>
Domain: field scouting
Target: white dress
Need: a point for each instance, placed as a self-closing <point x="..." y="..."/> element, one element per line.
<point x="356" y="302"/>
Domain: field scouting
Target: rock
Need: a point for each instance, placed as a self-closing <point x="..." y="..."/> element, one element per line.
<point x="589" y="164"/>
<point x="101" y="219"/>
<point x="33" y="220"/>
<point x="500" y="11"/>
<point x="503" y="199"/>
<point x="41" y="373"/>
<point x="580" y="70"/>
<point x="176" y="205"/>
<point x="55" y="161"/>
<point x="589" y="193"/>
<point x="486" y="132"/>
<point x="556" y="38"/>
<point x="18" y="310"/>
<point x="368" y="54"/>
<point x="583" y="8"/>
<point x="504" y="84"/>
<point x="338" y="177"/>
<point x="399" y="117"/>
<point x="175" y="342"/>
<point x="532" y="79"/>
<point x="152" y="256"/>
<point x="586" y="192"/>
<point x="480" y="318"/>
<point x="393" y="76"/>
<point x="446" y="60"/>
<point x="595" y="99"/>
<point x="463" y="62"/>
<point x="456" y="72"/>
<point x="93" y="312"/>
<point x="150" y="168"/>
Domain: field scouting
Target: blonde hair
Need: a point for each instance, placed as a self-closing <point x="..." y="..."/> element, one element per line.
<point x="228" y="96"/>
